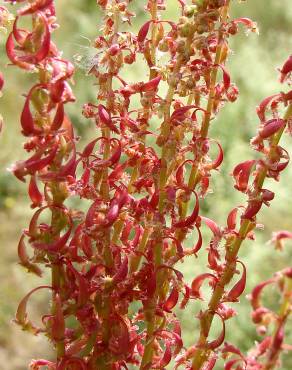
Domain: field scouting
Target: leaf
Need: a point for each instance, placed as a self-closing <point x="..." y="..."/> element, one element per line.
<point x="198" y="281"/>
<point x="238" y="288"/>
<point x="261" y="109"/>
<point x="65" y="170"/>
<point x="271" y="127"/>
<point x="180" y="172"/>
<point x="122" y="272"/>
<point x="241" y="174"/>
<point x="76" y="362"/>
<point x="179" y="114"/>
<point x="151" y="85"/>
<point x="143" y="32"/>
<point x="38" y="364"/>
<point x="171" y="301"/>
<point x="229" y="365"/>
<point x="105" y="118"/>
<point x="226" y="77"/>
<point x="120" y="336"/>
<point x="120" y="199"/>
<point x="178" y="245"/>
<point x="21" y="313"/>
<point x="1" y="81"/>
<point x="34" y="7"/>
<point x="252" y="209"/>
<point x="190" y="220"/>
<point x="44" y="49"/>
<point x="286" y="69"/>
<point x="59" y="243"/>
<point x="212" y="226"/>
<point x="10" y="51"/>
<point x="165" y="359"/>
<point x="59" y="117"/>
<point x="231" y="219"/>
<point x="278" y="337"/>
<point x="247" y="22"/>
<point x="87" y="151"/>
<point x="34" y="193"/>
<point x="26" y="118"/>
<point x="277" y="238"/>
<point x="25" y="259"/>
<point x="210" y="363"/>
<point x="217" y="342"/>
<point x="257" y="291"/>
<point x="217" y="162"/>
<point x="199" y="243"/>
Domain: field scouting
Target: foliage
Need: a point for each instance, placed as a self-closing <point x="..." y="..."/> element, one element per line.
<point x="115" y="278"/>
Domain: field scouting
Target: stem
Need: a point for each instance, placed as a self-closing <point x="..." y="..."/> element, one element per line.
<point x="104" y="190"/>
<point x="163" y="177"/>
<point x="202" y="353"/>
<point x="275" y="141"/>
<point x="104" y="308"/>
<point x="150" y="311"/>
<point x="195" y="173"/>
<point x="154" y="17"/>
<point x="135" y="261"/>
<point x="56" y="269"/>
<point x="284" y="311"/>
<point x="214" y="73"/>
<point x="56" y="284"/>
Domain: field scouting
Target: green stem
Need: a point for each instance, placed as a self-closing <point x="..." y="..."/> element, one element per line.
<point x="163" y="177"/>
<point x="195" y="173"/>
<point x="135" y="261"/>
<point x="58" y="198"/>
<point x="214" y="73"/>
<point x="154" y="15"/>
<point x="284" y="312"/>
<point x="56" y="284"/>
<point x="150" y="317"/>
<point x="104" y="308"/>
<point x="202" y="353"/>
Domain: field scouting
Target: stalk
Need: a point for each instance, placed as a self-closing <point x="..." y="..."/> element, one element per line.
<point x="214" y="73"/>
<point x="284" y="312"/>
<point x="104" y="311"/>
<point x="195" y="170"/>
<point x="139" y="197"/>
<point x="167" y="156"/>
<point x="154" y="17"/>
<point x="158" y="258"/>
<point x="136" y="259"/>
<point x="49" y="141"/>
<point x="194" y="175"/>
<point x="202" y="352"/>
<point x="56" y="284"/>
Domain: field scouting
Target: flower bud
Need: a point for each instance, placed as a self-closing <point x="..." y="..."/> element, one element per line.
<point x="113" y="50"/>
<point x="190" y="10"/>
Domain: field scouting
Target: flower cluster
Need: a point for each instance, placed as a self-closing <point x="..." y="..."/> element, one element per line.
<point x="266" y="354"/>
<point x="138" y="218"/>
<point x="273" y="122"/>
<point x="115" y="280"/>
<point x="51" y="163"/>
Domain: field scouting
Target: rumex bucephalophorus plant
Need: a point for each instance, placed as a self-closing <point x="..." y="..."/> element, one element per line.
<point x="144" y="176"/>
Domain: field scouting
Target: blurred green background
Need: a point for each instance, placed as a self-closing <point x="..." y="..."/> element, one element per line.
<point x="253" y="66"/>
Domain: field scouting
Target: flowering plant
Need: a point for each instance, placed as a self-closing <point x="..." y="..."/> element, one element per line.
<point x="115" y="267"/>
